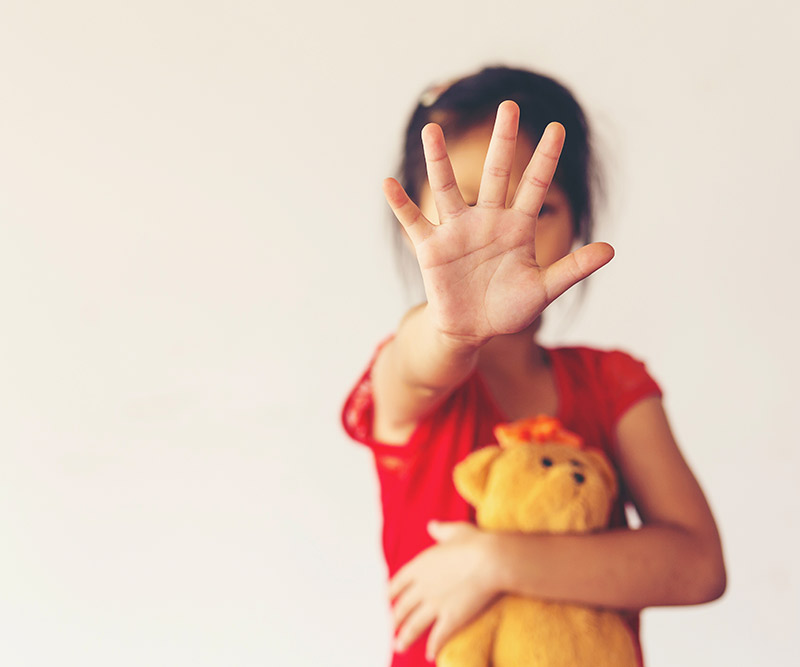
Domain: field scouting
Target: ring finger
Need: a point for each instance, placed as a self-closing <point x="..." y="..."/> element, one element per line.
<point x="446" y="194"/>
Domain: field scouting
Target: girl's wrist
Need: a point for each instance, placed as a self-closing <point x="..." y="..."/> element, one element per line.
<point x="507" y="559"/>
<point x="498" y="567"/>
<point x="454" y="343"/>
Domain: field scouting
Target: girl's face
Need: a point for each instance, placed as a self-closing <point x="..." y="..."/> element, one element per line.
<point x="554" y="236"/>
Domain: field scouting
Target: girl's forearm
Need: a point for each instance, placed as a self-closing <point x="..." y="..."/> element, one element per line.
<point x="655" y="565"/>
<point x="419" y="368"/>
<point x="427" y="359"/>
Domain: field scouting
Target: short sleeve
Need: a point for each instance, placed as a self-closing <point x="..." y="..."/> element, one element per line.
<point x="357" y="419"/>
<point x="626" y="381"/>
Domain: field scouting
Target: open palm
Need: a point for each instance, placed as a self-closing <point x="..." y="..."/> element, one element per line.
<point x="479" y="263"/>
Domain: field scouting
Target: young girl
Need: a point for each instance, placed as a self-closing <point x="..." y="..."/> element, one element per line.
<point x="492" y="229"/>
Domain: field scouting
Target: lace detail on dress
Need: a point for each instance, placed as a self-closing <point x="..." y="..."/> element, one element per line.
<point x="358" y="413"/>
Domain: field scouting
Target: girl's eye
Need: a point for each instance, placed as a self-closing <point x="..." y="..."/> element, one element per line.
<point x="546" y="209"/>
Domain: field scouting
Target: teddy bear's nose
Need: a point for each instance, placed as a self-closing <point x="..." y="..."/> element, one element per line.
<point x="578" y="477"/>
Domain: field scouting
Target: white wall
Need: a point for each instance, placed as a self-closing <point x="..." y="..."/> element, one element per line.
<point x="195" y="266"/>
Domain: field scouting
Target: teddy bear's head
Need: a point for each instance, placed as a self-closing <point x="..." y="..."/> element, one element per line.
<point x="539" y="478"/>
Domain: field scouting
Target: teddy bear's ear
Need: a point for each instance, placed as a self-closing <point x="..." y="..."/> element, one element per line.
<point x="471" y="474"/>
<point x="600" y="462"/>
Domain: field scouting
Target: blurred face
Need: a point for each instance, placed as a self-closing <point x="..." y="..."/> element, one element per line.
<point x="554" y="228"/>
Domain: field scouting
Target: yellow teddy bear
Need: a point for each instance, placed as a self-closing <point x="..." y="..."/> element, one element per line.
<point x="539" y="479"/>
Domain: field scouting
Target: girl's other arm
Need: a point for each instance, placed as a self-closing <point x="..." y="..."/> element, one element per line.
<point x="675" y="558"/>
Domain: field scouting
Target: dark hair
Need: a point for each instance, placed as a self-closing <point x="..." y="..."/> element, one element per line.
<point x="470" y="101"/>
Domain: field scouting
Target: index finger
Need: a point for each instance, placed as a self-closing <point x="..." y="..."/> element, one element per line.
<point x="399" y="582"/>
<point x="539" y="173"/>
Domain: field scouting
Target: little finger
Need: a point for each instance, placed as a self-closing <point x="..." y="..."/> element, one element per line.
<point x="417" y="226"/>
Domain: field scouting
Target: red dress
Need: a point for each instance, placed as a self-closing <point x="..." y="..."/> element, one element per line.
<point x="595" y="387"/>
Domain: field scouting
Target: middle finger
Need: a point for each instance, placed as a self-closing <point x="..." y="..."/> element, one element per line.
<point x="404" y="605"/>
<point x="500" y="157"/>
<point x="418" y="621"/>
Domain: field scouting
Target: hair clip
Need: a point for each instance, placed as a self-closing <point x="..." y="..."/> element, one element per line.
<point x="432" y="94"/>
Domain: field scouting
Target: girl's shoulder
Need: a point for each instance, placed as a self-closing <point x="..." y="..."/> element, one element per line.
<point x="614" y="377"/>
<point x="606" y="362"/>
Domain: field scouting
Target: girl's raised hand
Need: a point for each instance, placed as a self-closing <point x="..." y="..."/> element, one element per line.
<point x="479" y="263"/>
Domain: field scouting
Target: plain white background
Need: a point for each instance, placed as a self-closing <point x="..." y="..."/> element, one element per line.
<point x="195" y="265"/>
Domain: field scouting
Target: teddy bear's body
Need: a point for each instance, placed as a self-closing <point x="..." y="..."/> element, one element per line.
<point x="521" y="632"/>
<point x="554" y="486"/>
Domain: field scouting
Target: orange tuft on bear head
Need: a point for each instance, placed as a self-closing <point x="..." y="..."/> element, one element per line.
<point x="536" y="430"/>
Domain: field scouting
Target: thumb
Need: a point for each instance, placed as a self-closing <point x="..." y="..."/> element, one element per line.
<point x="576" y="266"/>
<point x="443" y="531"/>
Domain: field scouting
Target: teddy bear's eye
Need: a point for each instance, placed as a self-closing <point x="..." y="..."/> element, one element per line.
<point x="578" y="477"/>
<point x="547" y="462"/>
